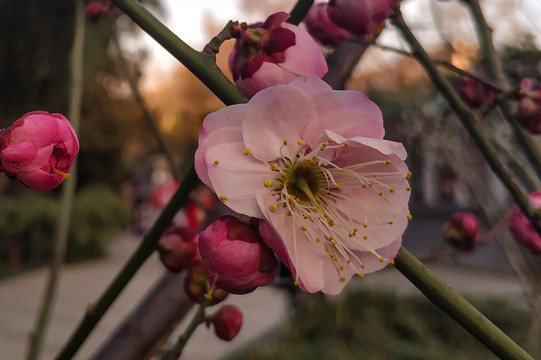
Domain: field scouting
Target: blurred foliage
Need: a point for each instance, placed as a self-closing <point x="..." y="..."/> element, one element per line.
<point x="29" y="224"/>
<point x="375" y="326"/>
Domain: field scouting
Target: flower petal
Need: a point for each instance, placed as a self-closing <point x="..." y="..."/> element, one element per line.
<point x="268" y="74"/>
<point x="276" y="114"/>
<point x="305" y="48"/>
<point x="237" y="177"/>
<point x="229" y="116"/>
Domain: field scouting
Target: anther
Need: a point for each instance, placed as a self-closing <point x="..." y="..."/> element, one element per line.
<point x="341" y="267"/>
<point x="285" y="142"/>
<point x="301" y="142"/>
<point x="408" y="188"/>
<point x="247" y="151"/>
<point x="268" y="183"/>
<point x="272" y="207"/>
<point x="216" y="162"/>
<point x="296" y="283"/>
<point x="342" y="278"/>
<point x="365" y="237"/>
<point x="409" y="217"/>
<point x="337" y="186"/>
<point x="408" y="175"/>
<point x="391" y="262"/>
<point x="223" y="197"/>
<point x="380" y="193"/>
<point x="387" y="162"/>
<point x="381" y="259"/>
<point x="391" y="190"/>
<point x="361" y="275"/>
<point x="346" y="144"/>
<point x="303" y="228"/>
<point x="329" y="140"/>
<point x="390" y="222"/>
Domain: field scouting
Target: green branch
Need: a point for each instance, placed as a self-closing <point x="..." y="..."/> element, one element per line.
<point x="299" y="11"/>
<point x="96" y="311"/>
<point x="470" y="123"/>
<point x="458" y="308"/>
<point x="203" y="67"/>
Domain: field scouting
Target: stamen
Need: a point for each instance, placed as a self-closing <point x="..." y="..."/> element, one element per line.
<point x="216" y="162"/>
<point x="247" y="151"/>
<point x="223" y="197"/>
<point x="60" y="172"/>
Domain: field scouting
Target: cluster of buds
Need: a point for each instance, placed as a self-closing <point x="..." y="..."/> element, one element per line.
<point x="38" y="149"/>
<point x="461" y="231"/>
<point x="322" y="28"/>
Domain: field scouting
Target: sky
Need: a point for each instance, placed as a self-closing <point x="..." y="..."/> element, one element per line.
<point x="189" y="19"/>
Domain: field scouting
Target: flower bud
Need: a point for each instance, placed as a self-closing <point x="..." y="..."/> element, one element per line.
<point x="197" y="286"/>
<point x="462" y="231"/>
<point x="94" y="11"/>
<point x="474" y="93"/>
<point x="522" y="230"/>
<point x="322" y="28"/>
<point x="362" y="18"/>
<point x="227" y="322"/>
<point x="529" y="105"/>
<point x="235" y="257"/>
<point x="38" y="149"/>
<point x="272" y="53"/>
<point x="178" y="248"/>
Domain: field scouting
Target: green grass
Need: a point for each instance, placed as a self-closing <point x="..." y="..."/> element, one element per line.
<point x="377" y="326"/>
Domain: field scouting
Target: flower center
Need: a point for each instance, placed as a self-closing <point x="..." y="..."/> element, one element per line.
<point x="303" y="180"/>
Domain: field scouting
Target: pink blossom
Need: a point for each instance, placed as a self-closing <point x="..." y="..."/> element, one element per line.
<point x="474" y="93"/>
<point x="313" y="164"/>
<point x="529" y="106"/>
<point x="235" y="257"/>
<point x="462" y="231"/>
<point x="178" y="248"/>
<point x="39" y="149"/>
<point x="362" y="18"/>
<point x="227" y="322"/>
<point x="322" y="28"/>
<point x="274" y="53"/>
<point x="522" y="230"/>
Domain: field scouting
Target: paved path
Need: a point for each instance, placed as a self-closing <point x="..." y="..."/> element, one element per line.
<point x="263" y="309"/>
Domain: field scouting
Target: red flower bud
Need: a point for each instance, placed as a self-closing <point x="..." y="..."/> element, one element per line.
<point x="39" y="149"/>
<point x="178" y="248"/>
<point x="522" y="230"/>
<point x="362" y="18"/>
<point x="462" y="231"/>
<point x="529" y="106"/>
<point x="474" y="93"/>
<point x="273" y="53"/>
<point x="94" y="11"/>
<point x="227" y="322"/>
<point x="322" y="28"/>
<point x="196" y="285"/>
<point x="235" y="257"/>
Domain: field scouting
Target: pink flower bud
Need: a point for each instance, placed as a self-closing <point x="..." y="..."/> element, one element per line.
<point x="94" y="11"/>
<point x="273" y="53"/>
<point x="462" y="231"/>
<point x="39" y="149"/>
<point x="322" y="28"/>
<point x="529" y="106"/>
<point x="474" y="93"/>
<point x="178" y="248"/>
<point x="227" y="322"/>
<point x="197" y="286"/>
<point x="235" y="257"/>
<point x="362" y="18"/>
<point x="522" y="230"/>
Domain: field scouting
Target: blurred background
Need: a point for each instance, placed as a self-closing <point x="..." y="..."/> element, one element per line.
<point x="124" y="180"/>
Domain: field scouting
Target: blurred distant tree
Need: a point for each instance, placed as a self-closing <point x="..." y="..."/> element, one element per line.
<point x="35" y="45"/>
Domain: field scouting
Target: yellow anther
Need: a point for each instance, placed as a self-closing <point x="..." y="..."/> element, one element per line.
<point x="337" y="186"/>
<point x="355" y="230"/>
<point x="361" y="275"/>
<point x="330" y="222"/>
<point x="346" y="144"/>
<point x="390" y="222"/>
<point x="409" y="217"/>
<point x="317" y="240"/>
<point x="365" y="237"/>
<point x="331" y="238"/>
<point x="296" y="283"/>
<point x="327" y="249"/>
<point x="381" y="259"/>
<point x="285" y="142"/>
<point x="291" y="197"/>
<point x="272" y="207"/>
<point x="283" y="174"/>
<point x="342" y="278"/>
<point x="362" y="266"/>
<point x="391" y="190"/>
<point x="365" y="225"/>
<point x="333" y="243"/>
<point x="380" y="193"/>
<point x="350" y="235"/>
<point x="342" y="170"/>
<point x="369" y="185"/>
<point x="387" y="162"/>
<point x="303" y="228"/>
<point x="391" y="262"/>
<point x="223" y="197"/>
<point x="341" y="267"/>
<point x="375" y="175"/>
<point x="335" y="258"/>
<point x="273" y="166"/>
<point x="216" y="162"/>
<point x="301" y="142"/>
<point x="305" y="217"/>
<point x="322" y="147"/>
<point x="348" y="261"/>
<point x="369" y="253"/>
<point x="268" y="183"/>
<point x="247" y="151"/>
<point x="408" y="188"/>
<point x="408" y="175"/>
<point x="364" y="186"/>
